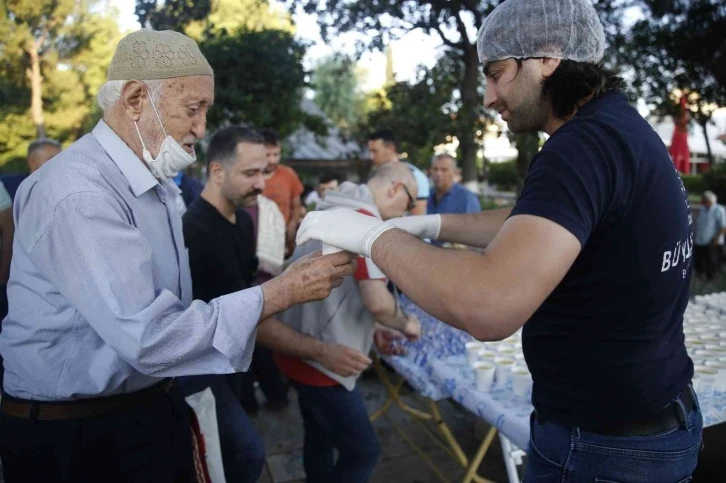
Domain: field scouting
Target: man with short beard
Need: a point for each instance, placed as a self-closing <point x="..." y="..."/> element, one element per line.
<point x="593" y="261"/>
<point x="219" y="234"/>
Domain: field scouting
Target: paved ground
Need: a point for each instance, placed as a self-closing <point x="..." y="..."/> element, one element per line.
<point x="283" y="435"/>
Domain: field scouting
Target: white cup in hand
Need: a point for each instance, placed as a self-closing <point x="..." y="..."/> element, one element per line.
<point x="328" y="249"/>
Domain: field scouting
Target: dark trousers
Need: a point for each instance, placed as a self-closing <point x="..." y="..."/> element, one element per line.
<point x="263" y="368"/>
<point x="146" y="443"/>
<point x="706" y="260"/>
<point x="335" y="418"/>
<point x="243" y="453"/>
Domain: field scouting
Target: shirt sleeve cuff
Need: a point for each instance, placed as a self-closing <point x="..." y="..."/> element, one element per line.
<point x="239" y="315"/>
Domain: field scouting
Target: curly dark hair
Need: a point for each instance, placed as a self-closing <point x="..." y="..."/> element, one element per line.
<point x="574" y="80"/>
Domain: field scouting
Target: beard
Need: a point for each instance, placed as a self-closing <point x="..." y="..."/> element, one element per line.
<point x="527" y="108"/>
<point x="240" y="200"/>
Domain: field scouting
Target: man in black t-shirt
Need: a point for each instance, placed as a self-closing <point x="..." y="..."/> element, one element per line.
<point x="593" y="261"/>
<point x="218" y="234"/>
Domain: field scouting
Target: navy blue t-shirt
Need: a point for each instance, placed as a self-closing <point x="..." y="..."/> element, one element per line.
<point x="607" y="345"/>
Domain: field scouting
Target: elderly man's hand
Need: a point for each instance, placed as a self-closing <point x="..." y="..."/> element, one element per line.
<point x="345" y="229"/>
<point x="310" y="278"/>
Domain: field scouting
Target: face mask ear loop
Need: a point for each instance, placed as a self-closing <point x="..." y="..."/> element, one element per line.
<point x="157" y="113"/>
<point x="140" y="137"/>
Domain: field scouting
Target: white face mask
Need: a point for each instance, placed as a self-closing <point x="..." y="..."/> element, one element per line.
<point x="171" y="159"/>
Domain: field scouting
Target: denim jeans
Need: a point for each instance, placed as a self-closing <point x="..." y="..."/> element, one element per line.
<point x="569" y="455"/>
<point x="336" y="419"/>
<point x="243" y="453"/>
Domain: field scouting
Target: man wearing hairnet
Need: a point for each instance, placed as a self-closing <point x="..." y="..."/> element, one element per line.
<point x="594" y="260"/>
<point x="101" y="312"/>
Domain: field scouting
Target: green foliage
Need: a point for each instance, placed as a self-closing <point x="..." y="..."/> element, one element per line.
<point x="259" y="76"/>
<point x="425" y="113"/>
<point x="678" y="47"/>
<point x="259" y="79"/>
<point x="75" y="43"/>
<point x="337" y="92"/>
<point x="418" y="113"/>
<point x="694" y="183"/>
<point x="504" y="175"/>
<point x="172" y="14"/>
<point x="715" y="179"/>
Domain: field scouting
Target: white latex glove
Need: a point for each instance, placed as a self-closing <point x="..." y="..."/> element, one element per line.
<point x="345" y="229"/>
<point x="424" y="226"/>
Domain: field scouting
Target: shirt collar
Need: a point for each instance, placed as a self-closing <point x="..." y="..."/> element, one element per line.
<point x="452" y="190"/>
<point x="137" y="174"/>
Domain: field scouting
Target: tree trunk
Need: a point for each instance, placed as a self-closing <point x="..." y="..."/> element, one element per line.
<point x="467" y="115"/>
<point x="704" y="126"/>
<point x="36" y="85"/>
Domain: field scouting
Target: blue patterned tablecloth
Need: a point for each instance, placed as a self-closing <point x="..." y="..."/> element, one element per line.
<point x="510" y="413"/>
<point x="437" y="368"/>
<point x="437" y="341"/>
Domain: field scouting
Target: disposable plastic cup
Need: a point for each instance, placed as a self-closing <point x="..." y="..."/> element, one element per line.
<point x="504" y="368"/>
<point x="486" y="355"/>
<point x="484" y="371"/>
<point x="471" y="349"/>
<point x="521" y="381"/>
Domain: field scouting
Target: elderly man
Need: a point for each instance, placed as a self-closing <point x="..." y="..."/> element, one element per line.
<point x="101" y="311"/>
<point x="40" y="152"/>
<point x="332" y="408"/>
<point x="594" y="260"/>
<point x="710" y="229"/>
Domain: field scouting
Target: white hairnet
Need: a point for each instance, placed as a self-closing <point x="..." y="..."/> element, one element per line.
<point x="563" y="29"/>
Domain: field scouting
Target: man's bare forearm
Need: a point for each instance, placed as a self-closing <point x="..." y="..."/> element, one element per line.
<point x="278" y="337"/>
<point x="456" y="286"/>
<point x="473" y="229"/>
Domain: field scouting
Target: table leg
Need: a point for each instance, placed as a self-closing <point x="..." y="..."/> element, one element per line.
<point x="481" y="452"/>
<point x="394" y="393"/>
<point x="509" y="461"/>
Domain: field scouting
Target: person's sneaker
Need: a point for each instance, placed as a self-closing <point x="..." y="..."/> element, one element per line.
<point x="277" y="405"/>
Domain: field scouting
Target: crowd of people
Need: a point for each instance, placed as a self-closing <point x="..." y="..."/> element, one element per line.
<point x="131" y="285"/>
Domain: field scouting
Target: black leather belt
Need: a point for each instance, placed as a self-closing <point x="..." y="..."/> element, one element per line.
<point x="83" y="408"/>
<point x="671" y="416"/>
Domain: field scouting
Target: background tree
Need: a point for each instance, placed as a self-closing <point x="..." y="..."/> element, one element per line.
<point x="455" y="22"/>
<point x="451" y="20"/>
<point x="679" y="47"/>
<point x="259" y="75"/>
<point x="422" y="114"/>
<point x="336" y="82"/>
<point x="35" y="34"/>
<point x="51" y="92"/>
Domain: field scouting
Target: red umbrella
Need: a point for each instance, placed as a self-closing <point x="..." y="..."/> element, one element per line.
<point x="679" y="144"/>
